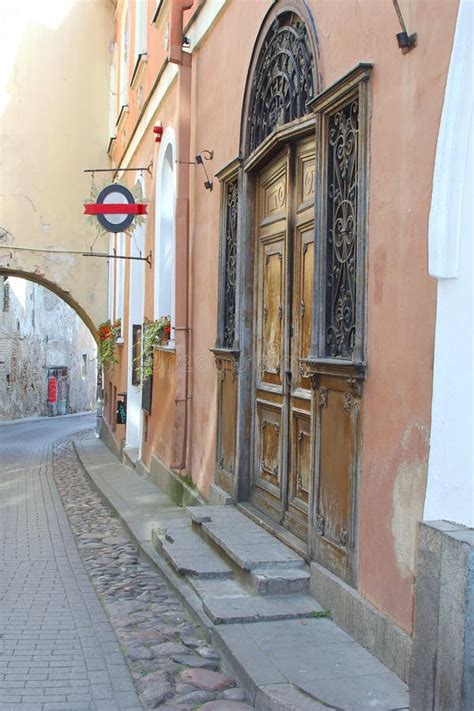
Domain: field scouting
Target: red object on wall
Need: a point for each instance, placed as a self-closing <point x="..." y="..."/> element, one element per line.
<point x="109" y="208"/>
<point x="52" y="390"/>
<point x="158" y="131"/>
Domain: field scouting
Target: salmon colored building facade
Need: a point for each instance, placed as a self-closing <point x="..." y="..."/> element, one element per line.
<point x="292" y="259"/>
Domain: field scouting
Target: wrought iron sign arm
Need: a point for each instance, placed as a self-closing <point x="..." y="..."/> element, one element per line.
<point x="105" y="255"/>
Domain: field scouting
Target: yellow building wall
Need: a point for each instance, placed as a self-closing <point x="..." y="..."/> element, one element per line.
<point x="54" y="95"/>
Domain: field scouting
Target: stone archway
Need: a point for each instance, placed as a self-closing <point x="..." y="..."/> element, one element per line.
<point x="66" y="296"/>
<point x="48" y="349"/>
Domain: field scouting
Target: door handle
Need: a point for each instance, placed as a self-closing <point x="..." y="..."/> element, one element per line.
<point x="288" y="376"/>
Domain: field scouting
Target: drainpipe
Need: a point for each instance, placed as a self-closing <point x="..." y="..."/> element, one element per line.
<point x="182" y="326"/>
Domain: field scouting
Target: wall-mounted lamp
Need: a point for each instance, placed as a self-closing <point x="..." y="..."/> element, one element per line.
<point x="199" y="160"/>
<point x="205" y="155"/>
<point x="405" y="41"/>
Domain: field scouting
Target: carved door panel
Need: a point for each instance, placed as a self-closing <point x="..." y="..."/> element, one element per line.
<point x="227" y="369"/>
<point x="270" y="341"/>
<point x="337" y="419"/>
<point x="284" y="287"/>
<point x="299" y="473"/>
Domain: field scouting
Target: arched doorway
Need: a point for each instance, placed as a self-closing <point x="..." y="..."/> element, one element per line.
<point x="276" y="251"/>
<point x="164" y="297"/>
<point x="266" y="267"/>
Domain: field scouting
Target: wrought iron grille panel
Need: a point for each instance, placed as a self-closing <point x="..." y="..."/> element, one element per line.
<point x="230" y="263"/>
<point x="284" y="78"/>
<point x="341" y="248"/>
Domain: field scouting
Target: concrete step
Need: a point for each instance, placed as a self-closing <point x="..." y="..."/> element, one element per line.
<point x="188" y="554"/>
<point x="243" y="541"/>
<point x="300" y="665"/>
<point x="280" y="581"/>
<point x="219" y="587"/>
<point x="231" y="610"/>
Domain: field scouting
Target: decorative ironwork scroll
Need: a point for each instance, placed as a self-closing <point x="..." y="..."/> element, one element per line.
<point x="341" y="254"/>
<point x="284" y="80"/>
<point x="230" y="261"/>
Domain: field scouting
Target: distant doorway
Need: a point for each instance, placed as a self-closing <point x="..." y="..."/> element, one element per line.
<point x="57" y="391"/>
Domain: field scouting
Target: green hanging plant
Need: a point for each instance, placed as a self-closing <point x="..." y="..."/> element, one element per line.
<point x="155" y="333"/>
<point x="107" y="335"/>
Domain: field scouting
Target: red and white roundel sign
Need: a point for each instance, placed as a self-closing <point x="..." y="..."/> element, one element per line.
<point x="115" y="208"/>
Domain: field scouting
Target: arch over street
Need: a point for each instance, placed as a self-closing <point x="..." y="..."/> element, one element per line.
<point x="56" y="289"/>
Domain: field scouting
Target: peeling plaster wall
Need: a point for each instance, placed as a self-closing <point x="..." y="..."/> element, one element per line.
<point x="53" y="125"/>
<point x="39" y="331"/>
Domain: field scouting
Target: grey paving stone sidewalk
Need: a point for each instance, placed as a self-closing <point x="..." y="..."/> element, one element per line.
<point x="174" y="667"/>
<point x="58" y="650"/>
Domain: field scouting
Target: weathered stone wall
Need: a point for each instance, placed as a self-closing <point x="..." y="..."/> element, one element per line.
<point x="39" y="331"/>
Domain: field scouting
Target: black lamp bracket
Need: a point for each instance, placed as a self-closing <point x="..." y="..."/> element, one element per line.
<point x="405" y="41"/>
<point x="199" y="160"/>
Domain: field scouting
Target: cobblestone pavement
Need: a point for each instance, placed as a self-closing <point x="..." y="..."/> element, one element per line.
<point x="172" y="665"/>
<point x="58" y="646"/>
<point x="58" y="650"/>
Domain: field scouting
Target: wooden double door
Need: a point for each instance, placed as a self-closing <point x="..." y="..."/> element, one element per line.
<point x="283" y="292"/>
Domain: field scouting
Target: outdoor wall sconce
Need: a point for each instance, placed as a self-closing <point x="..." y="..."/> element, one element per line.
<point x="405" y="41"/>
<point x="199" y="160"/>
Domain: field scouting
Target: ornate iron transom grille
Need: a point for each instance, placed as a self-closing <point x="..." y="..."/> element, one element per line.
<point x="232" y="203"/>
<point x="341" y="255"/>
<point x="283" y="81"/>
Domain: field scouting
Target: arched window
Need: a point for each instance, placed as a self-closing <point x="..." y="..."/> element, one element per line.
<point x="284" y="78"/>
<point x="133" y="433"/>
<point x="165" y="229"/>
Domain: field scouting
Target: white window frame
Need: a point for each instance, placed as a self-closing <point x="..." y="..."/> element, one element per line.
<point x="111" y="278"/>
<point x="162" y="204"/>
<point x="120" y="278"/>
<point x="141" y="27"/>
<point x="124" y="57"/>
<point x="113" y="109"/>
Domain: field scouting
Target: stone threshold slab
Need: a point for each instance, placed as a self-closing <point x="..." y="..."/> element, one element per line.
<point x="242" y="540"/>
<point x="231" y="610"/>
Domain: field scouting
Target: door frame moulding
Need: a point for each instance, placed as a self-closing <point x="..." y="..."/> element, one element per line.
<point x="226" y="351"/>
<point x="337" y="374"/>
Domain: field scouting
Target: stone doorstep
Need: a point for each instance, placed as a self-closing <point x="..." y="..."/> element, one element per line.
<point x="231" y="610"/>
<point x="190" y="555"/>
<point x="242" y="540"/>
<point x="277" y="581"/>
<point x="270" y="684"/>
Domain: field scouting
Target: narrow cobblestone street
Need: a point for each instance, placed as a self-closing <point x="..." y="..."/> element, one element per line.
<point x="59" y="648"/>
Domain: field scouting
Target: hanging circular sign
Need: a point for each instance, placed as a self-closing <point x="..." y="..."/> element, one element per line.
<point x="115" y="208"/>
